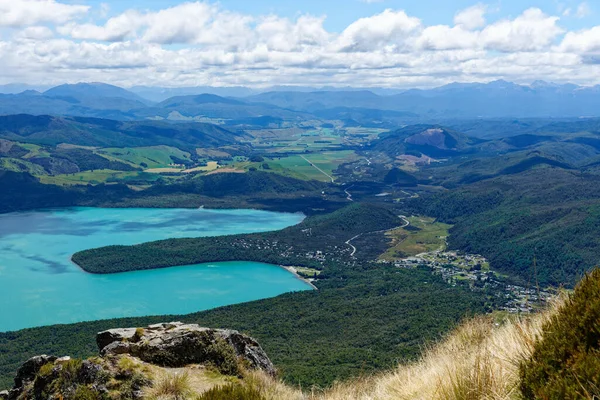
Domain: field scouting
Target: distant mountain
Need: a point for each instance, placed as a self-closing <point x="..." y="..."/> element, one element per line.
<point x="48" y="130"/>
<point x="431" y="140"/>
<point x="367" y="117"/>
<point x="498" y="99"/>
<point x="213" y="106"/>
<point x="502" y="99"/>
<point x="83" y="99"/>
<point x="92" y="90"/>
<point x="205" y="98"/>
<point x="158" y="94"/>
<point x="98" y="96"/>
<point x="315" y="101"/>
<point x="14" y="88"/>
<point x="494" y="100"/>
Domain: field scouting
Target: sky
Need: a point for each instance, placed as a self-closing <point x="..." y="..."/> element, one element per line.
<point x="261" y="43"/>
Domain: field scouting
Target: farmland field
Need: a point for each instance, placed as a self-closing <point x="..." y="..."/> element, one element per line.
<point x="95" y="177"/>
<point x="152" y="157"/>
<point x="298" y="165"/>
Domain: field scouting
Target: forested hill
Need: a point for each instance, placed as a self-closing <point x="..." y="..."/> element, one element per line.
<point x="548" y="213"/>
<point x="431" y="140"/>
<point x="326" y="234"/>
<point x="48" y="130"/>
<point x="22" y="191"/>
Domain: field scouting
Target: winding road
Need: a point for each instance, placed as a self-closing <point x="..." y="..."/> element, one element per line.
<point x="349" y="198"/>
<point x="354" y="249"/>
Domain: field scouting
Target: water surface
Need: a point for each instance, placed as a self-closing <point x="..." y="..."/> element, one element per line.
<point x="40" y="286"/>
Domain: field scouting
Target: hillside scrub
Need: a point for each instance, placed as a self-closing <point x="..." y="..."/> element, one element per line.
<point x="566" y="363"/>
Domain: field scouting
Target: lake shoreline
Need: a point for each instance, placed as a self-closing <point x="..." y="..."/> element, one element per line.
<point x="295" y="273"/>
<point x="290" y="269"/>
<point x="44" y="285"/>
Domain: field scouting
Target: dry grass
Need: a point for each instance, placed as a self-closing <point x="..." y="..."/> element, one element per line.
<point x="479" y="361"/>
<point x="271" y="389"/>
<point x="172" y="386"/>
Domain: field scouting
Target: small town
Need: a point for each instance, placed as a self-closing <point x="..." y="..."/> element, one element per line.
<point x="475" y="269"/>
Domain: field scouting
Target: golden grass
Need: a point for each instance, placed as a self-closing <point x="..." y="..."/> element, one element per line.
<point x="479" y="361"/>
<point x="171" y="386"/>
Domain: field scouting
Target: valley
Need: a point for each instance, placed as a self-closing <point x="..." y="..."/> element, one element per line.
<point x="185" y="209"/>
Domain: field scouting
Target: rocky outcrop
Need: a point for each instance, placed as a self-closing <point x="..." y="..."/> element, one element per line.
<point x="128" y="357"/>
<point x="176" y="345"/>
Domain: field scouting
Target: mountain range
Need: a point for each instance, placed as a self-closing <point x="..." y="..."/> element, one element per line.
<point x="498" y="99"/>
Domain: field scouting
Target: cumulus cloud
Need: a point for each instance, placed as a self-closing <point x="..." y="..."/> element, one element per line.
<point x="533" y="30"/>
<point x="390" y="28"/>
<point x="21" y="13"/>
<point x="472" y="17"/>
<point x="201" y="43"/>
<point x="582" y="42"/>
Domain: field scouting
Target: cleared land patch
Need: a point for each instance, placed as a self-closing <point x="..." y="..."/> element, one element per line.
<point x="147" y="157"/>
<point x="94" y="177"/>
<point x="421" y="236"/>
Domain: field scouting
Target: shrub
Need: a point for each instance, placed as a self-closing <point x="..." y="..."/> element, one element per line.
<point x="85" y="393"/>
<point x="232" y="392"/>
<point x="126" y="366"/>
<point x="137" y="336"/>
<point x="565" y="363"/>
<point x="222" y="356"/>
<point x="46" y="370"/>
<point x="68" y="375"/>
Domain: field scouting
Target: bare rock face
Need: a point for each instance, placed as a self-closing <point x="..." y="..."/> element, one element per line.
<point x="177" y="345"/>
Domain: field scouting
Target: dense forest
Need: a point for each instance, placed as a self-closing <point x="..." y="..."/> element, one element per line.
<point x="296" y="245"/>
<point x="550" y="214"/>
<point x="254" y="189"/>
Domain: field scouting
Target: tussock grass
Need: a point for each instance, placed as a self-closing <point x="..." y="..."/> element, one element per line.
<point x="171" y="386"/>
<point x="478" y="361"/>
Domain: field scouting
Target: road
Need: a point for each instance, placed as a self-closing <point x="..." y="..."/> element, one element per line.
<point x="349" y="198"/>
<point x="354" y="249"/>
<point x="319" y="169"/>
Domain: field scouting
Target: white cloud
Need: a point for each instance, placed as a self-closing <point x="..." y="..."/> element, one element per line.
<point x="582" y="42"/>
<point x="21" y="13"/>
<point x="34" y="33"/>
<point x="388" y="28"/>
<point x="533" y="30"/>
<point x="443" y="37"/>
<point x="200" y="43"/>
<point x="472" y="17"/>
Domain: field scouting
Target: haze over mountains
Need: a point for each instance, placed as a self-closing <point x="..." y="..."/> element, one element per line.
<point x="498" y="99"/>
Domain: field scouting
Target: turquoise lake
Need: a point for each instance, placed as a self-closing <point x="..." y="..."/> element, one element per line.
<point x="41" y="286"/>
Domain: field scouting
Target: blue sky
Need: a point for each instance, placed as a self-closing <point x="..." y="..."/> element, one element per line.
<point x="258" y="43"/>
